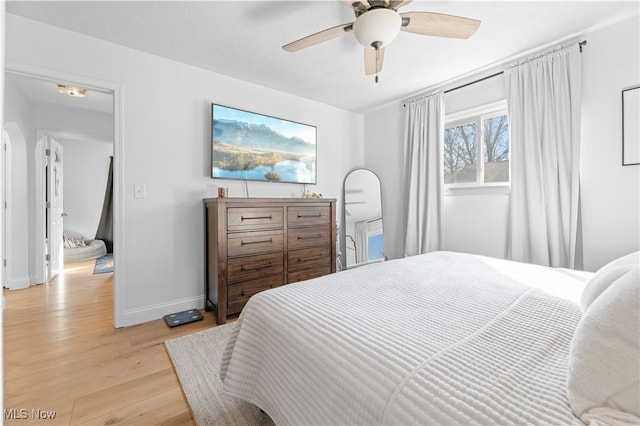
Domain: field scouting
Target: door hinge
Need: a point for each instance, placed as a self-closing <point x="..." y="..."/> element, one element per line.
<point x="5" y="263"/>
<point x="47" y="257"/>
<point x="47" y="152"/>
<point x="48" y="204"/>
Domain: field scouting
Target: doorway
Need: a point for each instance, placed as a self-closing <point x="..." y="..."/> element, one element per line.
<point x="49" y="128"/>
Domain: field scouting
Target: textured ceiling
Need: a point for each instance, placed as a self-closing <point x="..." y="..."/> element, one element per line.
<point x="243" y="39"/>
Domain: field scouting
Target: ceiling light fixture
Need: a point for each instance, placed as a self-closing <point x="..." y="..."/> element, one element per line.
<point x="377" y="28"/>
<point x="72" y="91"/>
<point x="378" y="23"/>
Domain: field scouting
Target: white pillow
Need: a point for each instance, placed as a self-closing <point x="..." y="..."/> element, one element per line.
<point x="606" y="276"/>
<point x="604" y="360"/>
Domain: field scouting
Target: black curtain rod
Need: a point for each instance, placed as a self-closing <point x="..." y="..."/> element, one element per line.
<point x="580" y="44"/>
<point x="475" y="81"/>
<point x="469" y="83"/>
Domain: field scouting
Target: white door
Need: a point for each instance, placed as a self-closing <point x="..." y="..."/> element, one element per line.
<point x="55" y="253"/>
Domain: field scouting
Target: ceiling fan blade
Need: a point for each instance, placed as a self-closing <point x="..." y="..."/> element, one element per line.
<point x="397" y="4"/>
<point x="373" y="60"/>
<point x="318" y="37"/>
<point x="438" y="24"/>
<point x="357" y="5"/>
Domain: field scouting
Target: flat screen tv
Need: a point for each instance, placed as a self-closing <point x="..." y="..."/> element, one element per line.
<point x="250" y="146"/>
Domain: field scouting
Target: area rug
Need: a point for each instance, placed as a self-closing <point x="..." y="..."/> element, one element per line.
<point x="104" y="264"/>
<point x="196" y="359"/>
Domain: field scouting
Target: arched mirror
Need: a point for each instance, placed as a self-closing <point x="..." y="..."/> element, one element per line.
<point x="361" y="234"/>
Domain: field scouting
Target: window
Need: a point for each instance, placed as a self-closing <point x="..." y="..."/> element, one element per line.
<point x="468" y="162"/>
<point x="375" y="249"/>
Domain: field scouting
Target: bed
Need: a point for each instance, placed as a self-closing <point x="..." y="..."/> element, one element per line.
<point x="442" y="338"/>
<point x="77" y="249"/>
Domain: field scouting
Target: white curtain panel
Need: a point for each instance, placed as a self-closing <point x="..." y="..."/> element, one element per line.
<point x="424" y="205"/>
<point x="544" y="101"/>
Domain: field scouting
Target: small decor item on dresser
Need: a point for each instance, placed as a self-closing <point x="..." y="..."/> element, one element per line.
<point x="183" y="317"/>
<point x="307" y="194"/>
<point x="223" y="192"/>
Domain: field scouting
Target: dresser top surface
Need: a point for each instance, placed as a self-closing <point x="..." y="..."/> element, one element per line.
<point x="244" y="200"/>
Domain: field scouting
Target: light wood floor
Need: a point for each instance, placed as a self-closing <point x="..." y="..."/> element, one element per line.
<point x="62" y="354"/>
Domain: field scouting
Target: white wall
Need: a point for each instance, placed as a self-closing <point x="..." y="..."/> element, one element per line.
<point x="476" y="222"/>
<point x="86" y="169"/>
<point x="18" y="126"/>
<point x="384" y="155"/>
<point x="610" y="192"/>
<point x="166" y="147"/>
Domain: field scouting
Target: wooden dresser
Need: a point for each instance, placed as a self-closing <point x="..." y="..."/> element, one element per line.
<point x="253" y="244"/>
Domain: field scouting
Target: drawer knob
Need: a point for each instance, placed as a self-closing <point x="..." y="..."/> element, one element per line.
<point x="244" y="243"/>
<point x="309" y="215"/>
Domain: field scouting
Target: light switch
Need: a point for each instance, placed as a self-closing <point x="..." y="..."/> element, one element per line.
<point x="139" y="190"/>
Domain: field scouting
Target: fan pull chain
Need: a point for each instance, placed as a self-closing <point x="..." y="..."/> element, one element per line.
<point x="376" y="46"/>
<point x="377" y="59"/>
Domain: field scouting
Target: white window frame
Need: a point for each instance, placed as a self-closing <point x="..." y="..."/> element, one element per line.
<point x="480" y="113"/>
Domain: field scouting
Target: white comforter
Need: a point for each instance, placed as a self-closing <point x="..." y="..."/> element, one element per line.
<point x="442" y="338"/>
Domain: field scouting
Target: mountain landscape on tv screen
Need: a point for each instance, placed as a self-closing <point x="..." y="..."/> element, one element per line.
<point x="242" y="150"/>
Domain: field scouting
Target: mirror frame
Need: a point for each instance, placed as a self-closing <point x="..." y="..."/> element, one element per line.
<point x="343" y="218"/>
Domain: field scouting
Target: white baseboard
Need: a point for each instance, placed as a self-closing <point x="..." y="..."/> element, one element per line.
<point x="37" y="279"/>
<point x="20" y="283"/>
<point x="154" y="312"/>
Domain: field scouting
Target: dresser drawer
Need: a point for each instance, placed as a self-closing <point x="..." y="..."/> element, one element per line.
<point x="254" y="218"/>
<point x="245" y="243"/>
<point x="298" y="238"/>
<point x="306" y="216"/>
<point x="308" y="258"/>
<point x="238" y="294"/>
<point x="307" y="274"/>
<point x="251" y="267"/>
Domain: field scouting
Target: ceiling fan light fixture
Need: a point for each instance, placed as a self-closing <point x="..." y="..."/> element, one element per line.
<point x="75" y="92"/>
<point x="378" y="23"/>
<point x="377" y="27"/>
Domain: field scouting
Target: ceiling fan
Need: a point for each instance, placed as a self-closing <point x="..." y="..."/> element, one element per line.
<point x="377" y="24"/>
